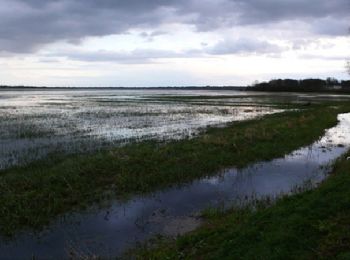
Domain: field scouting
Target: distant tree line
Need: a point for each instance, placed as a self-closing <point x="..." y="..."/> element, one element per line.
<point x="304" y="85"/>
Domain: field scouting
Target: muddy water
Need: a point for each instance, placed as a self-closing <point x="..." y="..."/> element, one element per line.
<point x="110" y="231"/>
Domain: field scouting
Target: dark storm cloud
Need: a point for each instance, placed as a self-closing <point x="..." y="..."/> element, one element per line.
<point x="214" y="14"/>
<point x="258" y="11"/>
<point x="26" y="25"/>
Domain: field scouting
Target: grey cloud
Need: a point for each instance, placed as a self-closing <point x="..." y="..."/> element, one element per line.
<point x="211" y="15"/>
<point x="138" y="56"/>
<point x="329" y="26"/>
<point x="27" y="25"/>
<point x="244" y="46"/>
<point x="41" y="22"/>
<point x="257" y="11"/>
<point x="144" y="56"/>
<point x="149" y="36"/>
<point x="304" y="44"/>
<point x="301" y="44"/>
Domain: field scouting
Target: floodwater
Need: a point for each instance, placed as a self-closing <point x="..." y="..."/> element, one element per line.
<point x="36" y="123"/>
<point x="108" y="232"/>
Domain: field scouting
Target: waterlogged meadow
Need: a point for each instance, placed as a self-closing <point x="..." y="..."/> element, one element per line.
<point x="119" y="165"/>
<point x="37" y="123"/>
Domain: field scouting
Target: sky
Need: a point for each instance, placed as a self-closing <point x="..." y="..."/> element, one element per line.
<point x="141" y="43"/>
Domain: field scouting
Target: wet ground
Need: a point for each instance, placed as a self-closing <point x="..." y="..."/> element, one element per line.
<point x="108" y="232"/>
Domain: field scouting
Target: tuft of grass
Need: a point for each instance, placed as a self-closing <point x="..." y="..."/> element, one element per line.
<point x="32" y="196"/>
<point x="312" y="225"/>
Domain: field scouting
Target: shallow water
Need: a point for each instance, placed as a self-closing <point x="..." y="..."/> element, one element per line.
<point x="35" y="123"/>
<point x="110" y="231"/>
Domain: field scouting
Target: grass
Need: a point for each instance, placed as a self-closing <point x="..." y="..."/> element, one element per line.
<point x="312" y="225"/>
<point x="32" y="196"/>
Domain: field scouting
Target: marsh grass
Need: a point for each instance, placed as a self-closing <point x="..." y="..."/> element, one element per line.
<point x="32" y="196"/>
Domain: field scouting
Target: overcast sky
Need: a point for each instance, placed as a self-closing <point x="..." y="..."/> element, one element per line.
<point x="161" y="43"/>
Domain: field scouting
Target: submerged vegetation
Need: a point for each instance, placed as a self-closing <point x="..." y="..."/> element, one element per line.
<point x="312" y="225"/>
<point x="33" y="195"/>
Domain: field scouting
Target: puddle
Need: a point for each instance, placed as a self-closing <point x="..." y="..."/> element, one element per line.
<point x="111" y="231"/>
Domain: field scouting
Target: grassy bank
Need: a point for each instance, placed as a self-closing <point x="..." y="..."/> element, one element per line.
<point x="311" y="225"/>
<point x="33" y="195"/>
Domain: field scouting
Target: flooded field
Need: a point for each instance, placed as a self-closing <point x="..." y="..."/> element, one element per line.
<point x="36" y="123"/>
<point x="109" y="231"/>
